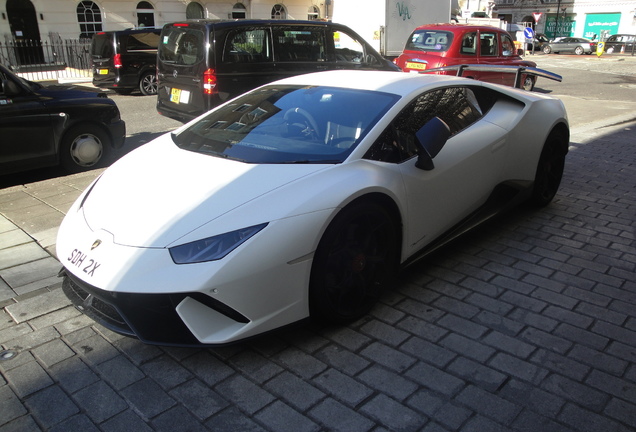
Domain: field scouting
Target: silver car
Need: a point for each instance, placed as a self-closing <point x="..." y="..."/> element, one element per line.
<point x="574" y="45"/>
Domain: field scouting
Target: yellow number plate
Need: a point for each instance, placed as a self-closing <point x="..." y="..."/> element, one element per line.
<point x="418" y="66"/>
<point x="103" y="71"/>
<point x="175" y="95"/>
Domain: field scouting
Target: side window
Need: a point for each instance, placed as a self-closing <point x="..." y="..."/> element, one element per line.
<point x="488" y="44"/>
<point x="456" y="106"/>
<point x="348" y="50"/>
<point x="299" y="44"/>
<point x="247" y="46"/>
<point x="507" y="45"/>
<point x="469" y="43"/>
<point x="143" y="41"/>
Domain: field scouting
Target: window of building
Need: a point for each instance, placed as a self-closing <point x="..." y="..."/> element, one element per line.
<point x="279" y="12"/>
<point x="239" y="11"/>
<point x="194" y="11"/>
<point x="314" y="13"/>
<point x="145" y="14"/>
<point x="89" y="18"/>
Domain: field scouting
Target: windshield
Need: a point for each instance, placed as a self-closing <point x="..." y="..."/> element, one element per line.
<point x="429" y="40"/>
<point x="288" y="124"/>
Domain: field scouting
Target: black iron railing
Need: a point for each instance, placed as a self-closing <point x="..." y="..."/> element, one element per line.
<point x="41" y="60"/>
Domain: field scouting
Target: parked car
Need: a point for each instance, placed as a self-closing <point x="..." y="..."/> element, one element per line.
<point x="46" y="126"/>
<point x="126" y="60"/>
<point x="538" y="41"/>
<point x="437" y="45"/>
<point x="620" y="43"/>
<point x="301" y="198"/>
<point x="574" y="45"/>
<point x="203" y="63"/>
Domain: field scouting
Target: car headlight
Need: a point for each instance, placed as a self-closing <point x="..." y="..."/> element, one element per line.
<point x="212" y="248"/>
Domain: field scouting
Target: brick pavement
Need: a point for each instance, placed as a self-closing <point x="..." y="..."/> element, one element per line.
<point x="527" y="324"/>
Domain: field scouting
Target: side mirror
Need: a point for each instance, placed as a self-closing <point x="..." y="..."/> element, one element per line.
<point x="9" y="88"/>
<point x="430" y="140"/>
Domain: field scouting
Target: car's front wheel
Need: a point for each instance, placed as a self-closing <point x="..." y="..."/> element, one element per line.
<point x="355" y="259"/>
<point x="550" y="169"/>
<point x="148" y="84"/>
<point x="84" y="147"/>
<point x="579" y="50"/>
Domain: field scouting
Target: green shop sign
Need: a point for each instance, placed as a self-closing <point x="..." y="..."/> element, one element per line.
<point x="554" y="28"/>
<point x="601" y="25"/>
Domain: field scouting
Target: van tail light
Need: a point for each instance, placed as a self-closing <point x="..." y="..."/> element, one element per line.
<point x="209" y="82"/>
<point x="117" y="60"/>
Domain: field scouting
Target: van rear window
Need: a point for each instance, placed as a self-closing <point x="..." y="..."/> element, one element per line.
<point x="181" y="45"/>
<point x="101" y="46"/>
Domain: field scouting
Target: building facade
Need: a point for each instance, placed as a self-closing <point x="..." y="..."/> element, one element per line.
<point x="75" y="19"/>
<point x="580" y="18"/>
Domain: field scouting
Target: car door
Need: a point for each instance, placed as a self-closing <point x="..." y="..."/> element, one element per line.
<point x="247" y="59"/>
<point x="465" y="172"/>
<point x="185" y="55"/>
<point x="299" y="49"/>
<point x="26" y="126"/>
<point x="489" y="49"/>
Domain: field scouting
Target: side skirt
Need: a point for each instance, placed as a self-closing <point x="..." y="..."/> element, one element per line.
<point x="503" y="197"/>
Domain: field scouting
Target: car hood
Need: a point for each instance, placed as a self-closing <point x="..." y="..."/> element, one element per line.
<point x="60" y="91"/>
<point x="159" y="193"/>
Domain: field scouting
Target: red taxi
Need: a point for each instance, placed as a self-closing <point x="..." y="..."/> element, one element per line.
<point x="440" y="45"/>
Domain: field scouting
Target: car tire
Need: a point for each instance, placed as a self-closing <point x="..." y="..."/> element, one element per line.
<point x="528" y="83"/>
<point x="354" y="261"/>
<point x="549" y="169"/>
<point x="123" y="91"/>
<point x="610" y="50"/>
<point x="148" y="84"/>
<point x="547" y="49"/>
<point x="579" y="50"/>
<point x="84" y="147"/>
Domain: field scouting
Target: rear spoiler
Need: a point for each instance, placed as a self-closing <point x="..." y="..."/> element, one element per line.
<point x="517" y="70"/>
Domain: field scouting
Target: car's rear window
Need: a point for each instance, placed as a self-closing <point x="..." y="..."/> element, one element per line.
<point x="181" y="45"/>
<point x="288" y="124"/>
<point x="429" y="40"/>
<point x="101" y="45"/>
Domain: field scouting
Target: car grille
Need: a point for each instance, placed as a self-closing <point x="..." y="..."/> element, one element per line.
<point x="150" y="317"/>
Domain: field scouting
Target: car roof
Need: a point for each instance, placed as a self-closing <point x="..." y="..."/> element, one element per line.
<point x="397" y="83"/>
<point x="251" y="22"/>
<point x="460" y="27"/>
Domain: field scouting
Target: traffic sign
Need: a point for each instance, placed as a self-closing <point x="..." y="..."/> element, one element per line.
<point x="537" y="16"/>
<point x="528" y="33"/>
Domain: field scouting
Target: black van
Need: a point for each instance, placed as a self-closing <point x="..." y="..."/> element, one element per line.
<point x="126" y="60"/>
<point x="203" y="63"/>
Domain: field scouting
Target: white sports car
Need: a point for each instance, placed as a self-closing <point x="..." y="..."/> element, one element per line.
<point x="301" y="198"/>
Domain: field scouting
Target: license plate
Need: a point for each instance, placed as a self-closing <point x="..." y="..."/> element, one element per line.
<point x="103" y="71"/>
<point x="179" y="96"/>
<point x="413" y="65"/>
<point x="83" y="262"/>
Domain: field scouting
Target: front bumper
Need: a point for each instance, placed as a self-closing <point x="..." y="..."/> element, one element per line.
<point x="152" y="318"/>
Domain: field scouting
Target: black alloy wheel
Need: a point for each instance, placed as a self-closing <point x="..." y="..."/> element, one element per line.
<point x="355" y="259"/>
<point x="549" y="169"/>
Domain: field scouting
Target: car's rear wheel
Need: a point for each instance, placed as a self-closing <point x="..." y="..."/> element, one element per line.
<point x="354" y="261"/>
<point x="84" y="147"/>
<point x="579" y="50"/>
<point x="148" y="84"/>
<point x="550" y="169"/>
<point x="528" y="83"/>
<point x="547" y="49"/>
